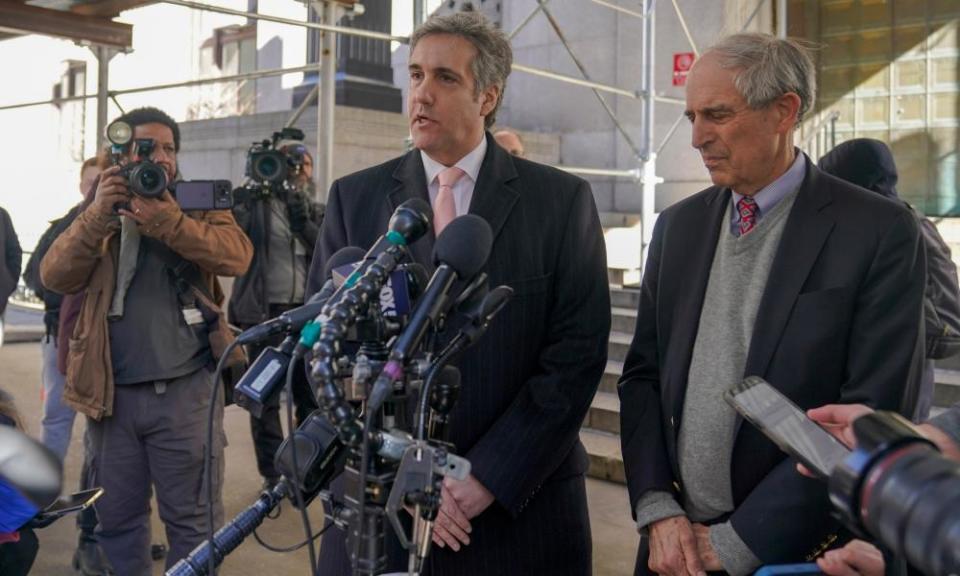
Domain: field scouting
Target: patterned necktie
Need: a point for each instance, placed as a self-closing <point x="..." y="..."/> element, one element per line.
<point x="748" y="209"/>
<point x="444" y="207"/>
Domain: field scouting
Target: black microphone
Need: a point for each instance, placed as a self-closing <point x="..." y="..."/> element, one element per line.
<point x="460" y="252"/>
<point x="293" y="320"/>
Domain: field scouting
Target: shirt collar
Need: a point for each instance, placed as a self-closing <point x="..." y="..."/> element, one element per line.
<point x="770" y="195"/>
<point x="470" y="163"/>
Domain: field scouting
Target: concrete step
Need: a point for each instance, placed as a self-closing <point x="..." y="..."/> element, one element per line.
<point x="604" y="413"/>
<point x="947" y="390"/>
<point x="608" y="383"/>
<point x="619" y="346"/>
<point x="621" y="297"/>
<point x="606" y="463"/>
<point x="623" y="319"/>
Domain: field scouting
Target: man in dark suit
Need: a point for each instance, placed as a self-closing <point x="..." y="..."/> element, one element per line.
<point x="529" y="382"/>
<point x="778" y="270"/>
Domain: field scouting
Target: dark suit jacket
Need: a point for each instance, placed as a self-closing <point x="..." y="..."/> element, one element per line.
<point x="839" y="321"/>
<point x="12" y="259"/>
<point x="528" y="383"/>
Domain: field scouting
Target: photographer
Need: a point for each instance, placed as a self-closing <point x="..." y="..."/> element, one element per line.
<point x="140" y="356"/>
<point x="859" y="557"/>
<point x="280" y="220"/>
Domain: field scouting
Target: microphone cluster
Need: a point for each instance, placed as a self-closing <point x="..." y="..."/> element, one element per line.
<point x="371" y="337"/>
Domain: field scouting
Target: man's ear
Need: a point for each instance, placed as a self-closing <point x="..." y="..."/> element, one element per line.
<point x="788" y="107"/>
<point x="489" y="99"/>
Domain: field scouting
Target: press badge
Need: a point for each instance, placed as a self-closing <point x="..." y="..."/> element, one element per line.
<point x="192" y="316"/>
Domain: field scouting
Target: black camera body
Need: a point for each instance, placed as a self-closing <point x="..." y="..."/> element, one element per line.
<point x="268" y="165"/>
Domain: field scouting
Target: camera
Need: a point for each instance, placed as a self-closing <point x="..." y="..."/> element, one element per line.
<point x="149" y="180"/>
<point x="897" y="488"/>
<point x="268" y="164"/>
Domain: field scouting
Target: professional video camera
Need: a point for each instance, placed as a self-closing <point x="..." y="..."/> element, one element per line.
<point x="149" y="180"/>
<point x="269" y="165"/>
<point x="894" y="487"/>
<point x="371" y="371"/>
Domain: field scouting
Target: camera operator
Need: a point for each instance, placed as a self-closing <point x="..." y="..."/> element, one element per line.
<point x="859" y="557"/>
<point x="140" y="356"/>
<point x="280" y="220"/>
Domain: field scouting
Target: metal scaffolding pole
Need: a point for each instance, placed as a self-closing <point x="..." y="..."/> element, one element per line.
<point x="781" y="18"/>
<point x="527" y="20"/>
<point x="327" y="102"/>
<point x="104" y="55"/>
<point x="648" y="176"/>
<point x="583" y="71"/>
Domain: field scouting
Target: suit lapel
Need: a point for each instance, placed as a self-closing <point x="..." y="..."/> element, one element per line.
<point x="493" y="197"/>
<point x="807" y="228"/>
<point x="410" y="181"/>
<point x="689" y="287"/>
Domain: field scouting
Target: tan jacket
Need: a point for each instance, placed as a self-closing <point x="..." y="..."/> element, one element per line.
<point x="84" y="258"/>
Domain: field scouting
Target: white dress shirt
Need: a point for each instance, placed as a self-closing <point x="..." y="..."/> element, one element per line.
<point x="463" y="189"/>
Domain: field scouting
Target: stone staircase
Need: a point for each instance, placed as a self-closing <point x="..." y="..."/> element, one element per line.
<point x="601" y="428"/>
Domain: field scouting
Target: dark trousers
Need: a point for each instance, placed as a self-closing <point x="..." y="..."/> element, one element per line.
<point x="266" y="430"/>
<point x="16" y="558"/>
<point x="156" y="438"/>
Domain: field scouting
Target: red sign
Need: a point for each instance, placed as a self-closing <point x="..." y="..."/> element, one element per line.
<point x="682" y="63"/>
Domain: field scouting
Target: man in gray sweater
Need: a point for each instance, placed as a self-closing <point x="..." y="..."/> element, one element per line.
<point x="780" y="271"/>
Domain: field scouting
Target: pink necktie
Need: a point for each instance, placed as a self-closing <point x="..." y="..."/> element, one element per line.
<point x="444" y="208"/>
<point x="748" y="209"/>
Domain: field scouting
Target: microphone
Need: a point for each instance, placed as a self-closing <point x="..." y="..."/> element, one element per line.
<point x="409" y="222"/>
<point x="460" y="252"/>
<point x="294" y="320"/>
<point x="29" y="467"/>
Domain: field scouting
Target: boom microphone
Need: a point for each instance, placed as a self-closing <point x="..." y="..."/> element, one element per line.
<point x="460" y="252"/>
<point x="293" y="320"/>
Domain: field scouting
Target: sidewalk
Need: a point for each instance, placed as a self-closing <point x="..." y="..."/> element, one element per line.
<point x="615" y="538"/>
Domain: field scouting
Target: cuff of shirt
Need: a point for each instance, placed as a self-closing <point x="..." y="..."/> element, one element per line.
<point x="734" y="554"/>
<point x="655" y="506"/>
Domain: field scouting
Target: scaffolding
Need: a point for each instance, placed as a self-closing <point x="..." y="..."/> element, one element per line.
<point x="644" y="151"/>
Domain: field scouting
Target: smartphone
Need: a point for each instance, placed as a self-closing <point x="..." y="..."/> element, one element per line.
<point x="72" y="503"/>
<point x="787" y="425"/>
<point x="788" y="569"/>
<point x="204" y="194"/>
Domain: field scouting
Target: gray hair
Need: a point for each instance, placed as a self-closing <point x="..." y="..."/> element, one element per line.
<point x="493" y="59"/>
<point x="769" y="67"/>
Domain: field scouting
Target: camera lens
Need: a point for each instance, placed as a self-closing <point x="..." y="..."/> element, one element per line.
<point x="269" y="167"/>
<point x="148" y="180"/>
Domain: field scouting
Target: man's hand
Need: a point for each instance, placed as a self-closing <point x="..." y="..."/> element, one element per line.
<point x="451" y="528"/>
<point x="837" y="419"/>
<point x="472" y="496"/>
<point x="298" y="211"/>
<point x="855" y="559"/>
<point x="111" y="190"/>
<point x="145" y="211"/>
<point x="708" y="556"/>
<point x="673" y="548"/>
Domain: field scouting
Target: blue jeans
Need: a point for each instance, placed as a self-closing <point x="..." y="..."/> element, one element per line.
<point x="57" y="416"/>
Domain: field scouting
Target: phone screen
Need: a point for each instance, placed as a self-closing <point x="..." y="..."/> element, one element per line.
<point x="73" y="502"/>
<point x="788" y="426"/>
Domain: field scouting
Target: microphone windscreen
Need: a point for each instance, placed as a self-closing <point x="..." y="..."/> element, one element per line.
<point x="347" y="255"/>
<point x="464" y="245"/>
<point x="412" y="219"/>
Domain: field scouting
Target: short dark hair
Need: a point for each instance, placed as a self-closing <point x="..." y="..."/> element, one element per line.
<point x="151" y="115"/>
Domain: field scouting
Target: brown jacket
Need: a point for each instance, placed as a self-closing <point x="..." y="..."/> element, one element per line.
<point x="83" y="259"/>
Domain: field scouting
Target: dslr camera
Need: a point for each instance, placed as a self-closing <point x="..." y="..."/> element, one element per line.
<point x="269" y="165"/>
<point x="149" y="180"/>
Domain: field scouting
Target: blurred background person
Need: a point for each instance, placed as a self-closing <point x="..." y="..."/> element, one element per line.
<point x="282" y="222"/>
<point x="58" y="417"/>
<point x="869" y="164"/>
<point x="12" y="258"/>
<point x="510" y="140"/>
